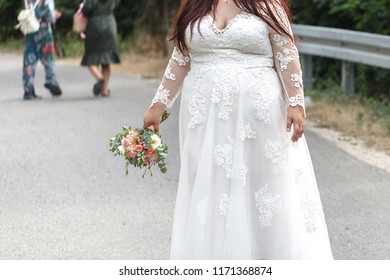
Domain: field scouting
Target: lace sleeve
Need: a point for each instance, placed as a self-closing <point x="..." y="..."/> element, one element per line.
<point x="286" y="59"/>
<point x="175" y="73"/>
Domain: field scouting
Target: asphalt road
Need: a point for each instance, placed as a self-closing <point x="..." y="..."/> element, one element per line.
<point x="64" y="196"/>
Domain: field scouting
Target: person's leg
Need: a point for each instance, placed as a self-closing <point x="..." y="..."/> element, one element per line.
<point x="46" y="50"/>
<point x="106" y="69"/>
<point x="95" y="71"/>
<point x="30" y="60"/>
<point x="98" y="86"/>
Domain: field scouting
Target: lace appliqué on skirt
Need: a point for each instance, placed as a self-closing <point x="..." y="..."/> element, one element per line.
<point x="262" y="100"/>
<point x="247" y="132"/>
<point x="224" y="157"/>
<point x="276" y="152"/>
<point x="197" y="104"/>
<point x="310" y="211"/>
<point x="225" y="92"/>
<point x="242" y="175"/>
<point x="268" y="206"/>
<point x="224" y="205"/>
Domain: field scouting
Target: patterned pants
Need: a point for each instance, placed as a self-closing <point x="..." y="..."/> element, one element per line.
<point x="38" y="46"/>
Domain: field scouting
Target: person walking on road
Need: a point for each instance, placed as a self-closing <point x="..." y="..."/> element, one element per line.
<point x="247" y="189"/>
<point x="101" y="42"/>
<point x="40" y="46"/>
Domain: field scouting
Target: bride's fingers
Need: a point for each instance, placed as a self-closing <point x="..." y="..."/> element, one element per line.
<point x="156" y="127"/>
<point x="298" y="131"/>
<point x="151" y="127"/>
<point x="295" y="136"/>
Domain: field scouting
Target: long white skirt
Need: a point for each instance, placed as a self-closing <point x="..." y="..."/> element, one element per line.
<point x="245" y="190"/>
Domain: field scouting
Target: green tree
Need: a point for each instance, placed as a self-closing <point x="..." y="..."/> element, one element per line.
<point x="155" y="18"/>
<point x="8" y="14"/>
<point x="363" y="15"/>
<point x="368" y="16"/>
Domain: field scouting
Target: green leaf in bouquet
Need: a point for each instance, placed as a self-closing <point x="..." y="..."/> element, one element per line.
<point x="165" y="115"/>
<point x="163" y="167"/>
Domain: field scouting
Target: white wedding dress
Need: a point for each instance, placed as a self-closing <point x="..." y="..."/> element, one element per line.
<point x="246" y="191"/>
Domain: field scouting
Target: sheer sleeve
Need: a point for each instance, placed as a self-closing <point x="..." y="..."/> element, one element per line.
<point x="172" y="81"/>
<point x="286" y="60"/>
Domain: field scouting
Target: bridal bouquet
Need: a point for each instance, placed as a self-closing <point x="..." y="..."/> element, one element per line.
<point x="141" y="147"/>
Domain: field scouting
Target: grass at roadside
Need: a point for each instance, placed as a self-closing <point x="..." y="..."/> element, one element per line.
<point x="367" y="120"/>
<point x="72" y="44"/>
<point x="12" y="45"/>
<point x="148" y="67"/>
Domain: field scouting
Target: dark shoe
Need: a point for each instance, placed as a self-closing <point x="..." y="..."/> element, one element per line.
<point x="31" y="96"/>
<point x="54" y="89"/>
<point x="97" y="88"/>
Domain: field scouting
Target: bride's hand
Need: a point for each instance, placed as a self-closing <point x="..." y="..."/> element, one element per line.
<point x="152" y="117"/>
<point x="296" y="117"/>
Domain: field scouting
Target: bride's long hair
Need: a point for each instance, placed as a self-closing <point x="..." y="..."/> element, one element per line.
<point x="192" y="10"/>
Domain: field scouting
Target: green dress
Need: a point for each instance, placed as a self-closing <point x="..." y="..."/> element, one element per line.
<point x="101" y="42"/>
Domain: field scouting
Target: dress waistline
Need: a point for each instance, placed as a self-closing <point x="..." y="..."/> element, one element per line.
<point x="242" y="61"/>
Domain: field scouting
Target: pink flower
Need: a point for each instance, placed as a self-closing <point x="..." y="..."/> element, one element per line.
<point x="130" y="148"/>
<point x="146" y="160"/>
<point x="139" y="148"/>
<point x="149" y="151"/>
<point x="125" y="143"/>
<point x="132" y="137"/>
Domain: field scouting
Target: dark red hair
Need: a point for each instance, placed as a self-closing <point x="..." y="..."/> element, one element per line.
<point x="192" y="10"/>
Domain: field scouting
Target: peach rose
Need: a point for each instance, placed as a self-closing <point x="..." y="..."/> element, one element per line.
<point x="139" y="148"/>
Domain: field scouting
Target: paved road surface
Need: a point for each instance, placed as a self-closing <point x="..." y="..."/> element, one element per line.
<point x="64" y="196"/>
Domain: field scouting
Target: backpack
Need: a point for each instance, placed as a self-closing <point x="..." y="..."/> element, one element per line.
<point x="28" y="22"/>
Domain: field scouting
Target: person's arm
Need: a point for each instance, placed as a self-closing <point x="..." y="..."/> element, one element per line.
<point x="169" y="88"/>
<point x="288" y="67"/>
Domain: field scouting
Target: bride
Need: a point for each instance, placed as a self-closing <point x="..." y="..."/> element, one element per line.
<point x="247" y="189"/>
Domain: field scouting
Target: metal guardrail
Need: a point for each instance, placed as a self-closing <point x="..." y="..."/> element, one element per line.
<point x="346" y="45"/>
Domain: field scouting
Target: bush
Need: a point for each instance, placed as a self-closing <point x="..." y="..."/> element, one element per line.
<point x="371" y="16"/>
<point x="8" y="14"/>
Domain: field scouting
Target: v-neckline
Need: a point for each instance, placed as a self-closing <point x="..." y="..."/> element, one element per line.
<point x="220" y="31"/>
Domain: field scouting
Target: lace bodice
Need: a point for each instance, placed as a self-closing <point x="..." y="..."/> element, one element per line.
<point x="246" y="41"/>
<point x="243" y="41"/>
